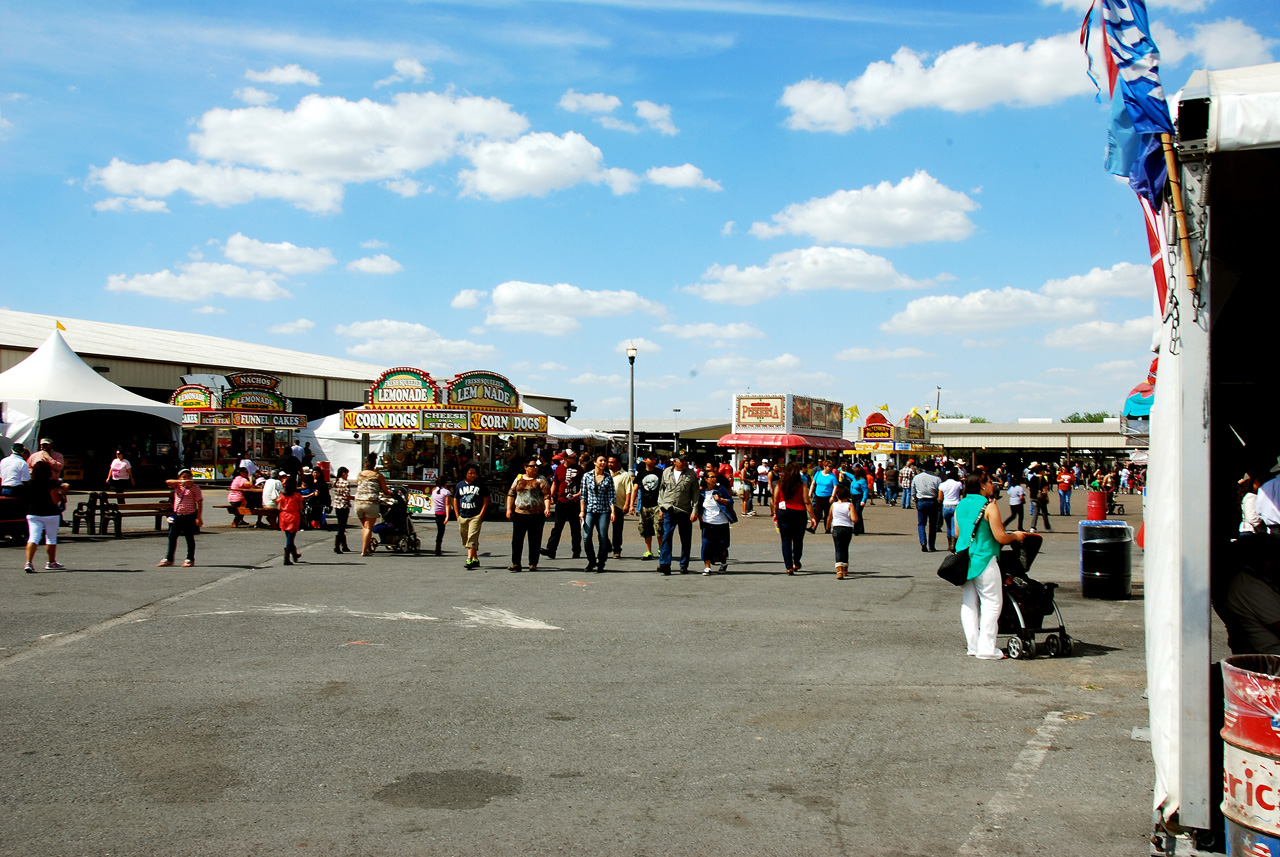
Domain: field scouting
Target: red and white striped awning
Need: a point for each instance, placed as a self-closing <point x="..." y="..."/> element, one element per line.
<point x="790" y="441"/>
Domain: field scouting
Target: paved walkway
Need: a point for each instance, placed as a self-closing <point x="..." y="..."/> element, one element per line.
<point x="405" y="706"/>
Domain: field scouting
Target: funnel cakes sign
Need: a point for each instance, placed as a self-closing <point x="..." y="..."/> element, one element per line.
<point x="402" y="388"/>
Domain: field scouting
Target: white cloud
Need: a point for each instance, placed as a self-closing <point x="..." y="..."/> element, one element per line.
<point x="985" y="309"/>
<point x="292" y="73"/>
<point x="253" y="95"/>
<point x="808" y="269"/>
<point x="964" y="78"/>
<point x="1122" y="280"/>
<point x="551" y="366"/>
<point x="1079" y="6"/>
<point x="331" y="138"/>
<point x="881" y="353"/>
<point x="594" y="102"/>
<point x="918" y="208"/>
<point x="707" y="330"/>
<point x="407" y="343"/>
<point x="735" y="365"/>
<point x="374" y="244"/>
<point x="405" y="187"/>
<point x="613" y="123"/>
<point x="555" y="310"/>
<point x="290" y="328"/>
<point x="200" y="281"/>
<point x="727" y="229"/>
<point x="467" y="299"/>
<point x="658" y="117"/>
<point x="1228" y="43"/>
<point x="1109" y="334"/>
<point x="379" y="264"/>
<point x="132" y="203"/>
<point x="685" y="175"/>
<point x="283" y="256"/>
<point x="537" y="164"/>
<point x="642" y="345"/>
<point x="209" y="310"/>
<point x="406" y="69"/>
<point x="220" y="184"/>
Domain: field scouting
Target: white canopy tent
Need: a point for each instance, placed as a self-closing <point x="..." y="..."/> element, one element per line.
<point x="1228" y="125"/>
<point x="53" y="381"/>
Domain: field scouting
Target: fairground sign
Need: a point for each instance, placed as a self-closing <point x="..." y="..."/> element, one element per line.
<point x="403" y="387"/>
<point x="483" y="390"/>
<point x="384" y="420"/>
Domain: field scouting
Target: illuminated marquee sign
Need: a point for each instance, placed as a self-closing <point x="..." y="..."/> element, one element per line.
<point x="761" y="410"/>
<point x="195" y="396"/>
<point x="403" y="387"/>
<point x="382" y="420"/>
<point x="253" y="380"/>
<point x="453" y="421"/>
<point x="877" y="432"/>
<point x="255" y="400"/>
<point x="485" y="422"/>
<point x="487" y="390"/>
<point x="286" y="421"/>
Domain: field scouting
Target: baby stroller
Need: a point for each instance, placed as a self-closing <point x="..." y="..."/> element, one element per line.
<point x="395" y="531"/>
<point x="1027" y="603"/>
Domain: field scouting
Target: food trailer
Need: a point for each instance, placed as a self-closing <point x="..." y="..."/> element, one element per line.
<point x="431" y="430"/>
<point x="244" y="414"/>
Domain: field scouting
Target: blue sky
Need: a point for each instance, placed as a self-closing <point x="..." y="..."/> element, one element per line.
<point x="856" y="201"/>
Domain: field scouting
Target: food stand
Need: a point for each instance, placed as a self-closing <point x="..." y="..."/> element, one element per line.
<point x="247" y="414"/>
<point x="769" y="423"/>
<point x="432" y="430"/>
<point x="912" y="439"/>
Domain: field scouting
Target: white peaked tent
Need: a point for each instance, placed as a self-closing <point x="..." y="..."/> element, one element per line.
<point x="54" y="381"/>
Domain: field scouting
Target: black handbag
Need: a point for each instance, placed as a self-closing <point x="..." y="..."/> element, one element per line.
<point x="955" y="566"/>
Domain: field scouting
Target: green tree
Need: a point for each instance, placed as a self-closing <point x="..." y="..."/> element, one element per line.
<point x="1088" y="417"/>
<point x="959" y="416"/>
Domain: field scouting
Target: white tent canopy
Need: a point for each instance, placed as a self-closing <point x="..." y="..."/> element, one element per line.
<point x="53" y="381"/>
<point x="1244" y="106"/>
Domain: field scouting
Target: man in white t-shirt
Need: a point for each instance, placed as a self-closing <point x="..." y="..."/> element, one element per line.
<point x="951" y="491"/>
<point x="762" y="481"/>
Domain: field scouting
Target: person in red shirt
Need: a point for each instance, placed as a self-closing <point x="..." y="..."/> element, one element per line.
<point x="186" y="520"/>
<point x="290" y="505"/>
<point x="566" y="490"/>
<point x="1065" y="483"/>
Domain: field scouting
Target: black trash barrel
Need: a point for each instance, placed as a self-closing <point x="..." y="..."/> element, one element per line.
<point x="1106" y="559"/>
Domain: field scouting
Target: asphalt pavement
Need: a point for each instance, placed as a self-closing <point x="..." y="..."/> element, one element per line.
<point x="399" y="705"/>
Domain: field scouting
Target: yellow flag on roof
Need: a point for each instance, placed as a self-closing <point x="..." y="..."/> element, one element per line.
<point x="931" y="416"/>
<point x="59" y="324"/>
<point x="915" y="412"/>
<point x="884" y="407"/>
<point x="851" y="413"/>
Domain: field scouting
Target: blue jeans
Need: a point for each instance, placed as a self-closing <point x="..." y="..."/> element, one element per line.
<point x="672" y="520"/>
<point x="927" y="513"/>
<point x="949" y="518"/>
<point x="596" y="525"/>
<point x="906" y="497"/>
<point x="890" y="493"/>
<point x="715" y="543"/>
<point x="1064" y="502"/>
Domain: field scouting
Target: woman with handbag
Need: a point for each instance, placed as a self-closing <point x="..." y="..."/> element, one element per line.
<point x="981" y="533"/>
<point x="793" y="513"/>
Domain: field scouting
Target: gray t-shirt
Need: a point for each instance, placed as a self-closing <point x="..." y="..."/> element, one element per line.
<point x="925" y="486"/>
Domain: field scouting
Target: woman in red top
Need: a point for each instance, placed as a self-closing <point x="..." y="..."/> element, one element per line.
<point x="794" y="513"/>
<point x="290" y="504"/>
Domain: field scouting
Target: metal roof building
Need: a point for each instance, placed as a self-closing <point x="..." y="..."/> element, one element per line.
<point x="965" y="435"/>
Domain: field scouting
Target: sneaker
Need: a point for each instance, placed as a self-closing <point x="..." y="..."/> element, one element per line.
<point x="684" y="569"/>
<point x="706" y="572"/>
<point x="617" y="554"/>
<point x="53" y="566"/>
<point x="29" y="568"/>
<point x="188" y="563"/>
<point x="164" y="563"/>
<point x="724" y="568"/>
<point x="665" y="569"/>
<point x="647" y="555"/>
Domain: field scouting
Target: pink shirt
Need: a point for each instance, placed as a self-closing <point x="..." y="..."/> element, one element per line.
<point x="120" y="469"/>
<point x="54" y="459"/>
<point x="440" y="501"/>
<point x="186" y="500"/>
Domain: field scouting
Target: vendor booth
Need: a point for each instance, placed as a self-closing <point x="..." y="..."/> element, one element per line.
<point x="51" y="394"/>
<point x="911" y="439"/>
<point x="799" y="426"/>
<point x="241" y="413"/>
<point x="432" y="430"/>
<point x="1209" y="422"/>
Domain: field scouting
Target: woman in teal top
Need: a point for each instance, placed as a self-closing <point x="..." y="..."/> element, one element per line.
<point x="981" y="596"/>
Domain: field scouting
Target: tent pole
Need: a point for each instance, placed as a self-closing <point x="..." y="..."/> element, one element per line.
<point x="1179" y="214"/>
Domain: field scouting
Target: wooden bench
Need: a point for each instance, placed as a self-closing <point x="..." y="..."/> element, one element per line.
<point x="135" y="504"/>
<point x="88" y="512"/>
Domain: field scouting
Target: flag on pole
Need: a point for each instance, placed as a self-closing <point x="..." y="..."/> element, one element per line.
<point x="1139" y="112"/>
<point x="851" y="413"/>
<point x="1156" y="242"/>
<point x="931" y="416"/>
<point x="59" y="325"/>
<point x="1085" y="28"/>
<point x="884" y="407"/>
<point x="914" y="412"/>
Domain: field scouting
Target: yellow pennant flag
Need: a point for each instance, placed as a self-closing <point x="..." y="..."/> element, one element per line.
<point x="931" y="416"/>
<point x="915" y="412"/>
<point x="884" y="407"/>
<point x="59" y="324"/>
<point x="851" y="413"/>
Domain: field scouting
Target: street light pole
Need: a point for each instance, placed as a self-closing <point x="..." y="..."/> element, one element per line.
<point x="631" y="428"/>
<point x="676" y="450"/>
<point x="937" y="404"/>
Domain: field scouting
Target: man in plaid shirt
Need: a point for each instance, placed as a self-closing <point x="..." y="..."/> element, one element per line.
<point x="905" y="475"/>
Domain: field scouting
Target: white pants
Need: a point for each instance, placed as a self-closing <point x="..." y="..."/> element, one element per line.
<point x="980" y="612"/>
<point x="42" y="527"/>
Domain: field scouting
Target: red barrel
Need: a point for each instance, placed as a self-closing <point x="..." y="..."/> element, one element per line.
<point x="1096" y="508"/>
<point x="1251" y="746"/>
